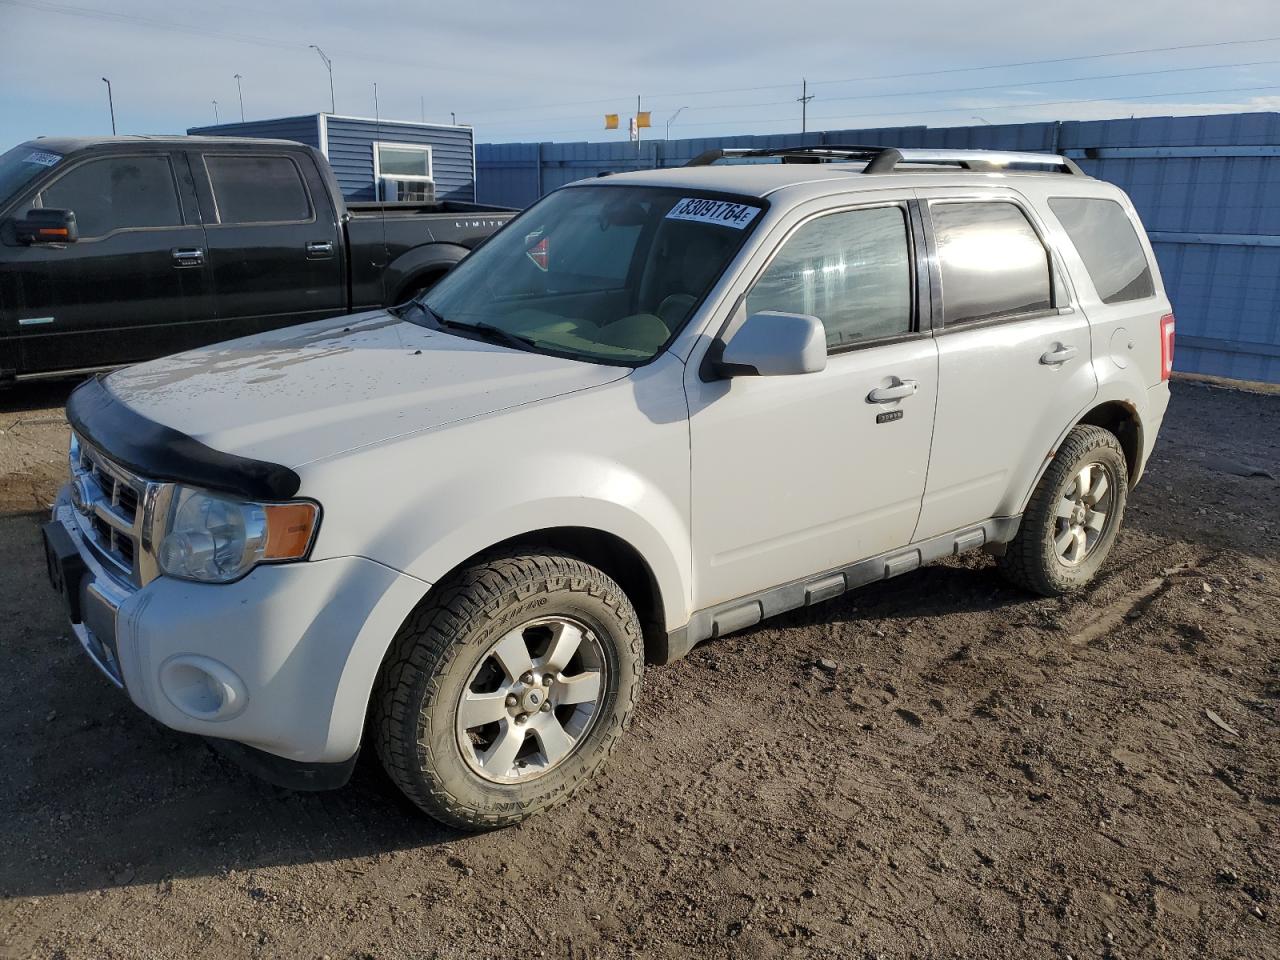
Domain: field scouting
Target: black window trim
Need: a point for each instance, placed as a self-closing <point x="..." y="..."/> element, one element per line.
<point x="36" y="198"/>
<point x="1061" y="295"/>
<point x="1137" y="235"/>
<point x="255" y="155"/>
<point x="917" y="268"/>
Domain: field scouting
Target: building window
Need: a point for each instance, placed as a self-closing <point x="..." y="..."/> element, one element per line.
<point x="402" y="172"/>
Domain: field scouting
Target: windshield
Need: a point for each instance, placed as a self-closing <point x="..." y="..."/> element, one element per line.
<point x="607" y="274"/>
<point x="21" y="165"/>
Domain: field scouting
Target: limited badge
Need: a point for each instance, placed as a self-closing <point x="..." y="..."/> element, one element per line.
<point x="722" y="213"/>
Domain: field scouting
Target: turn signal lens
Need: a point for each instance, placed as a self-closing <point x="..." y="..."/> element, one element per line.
<point x="289" y="529"/>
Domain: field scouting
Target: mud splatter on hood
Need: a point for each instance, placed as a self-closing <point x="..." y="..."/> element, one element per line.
<point x="306" y="392"/>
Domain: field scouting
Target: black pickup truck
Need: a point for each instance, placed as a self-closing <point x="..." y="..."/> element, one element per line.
<point x="119" y="249"/>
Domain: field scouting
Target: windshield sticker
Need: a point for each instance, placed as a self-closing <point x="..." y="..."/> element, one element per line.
<point x="720" y="212"/>
<point x="44" y="159"/>
<point x="538" y="251"/>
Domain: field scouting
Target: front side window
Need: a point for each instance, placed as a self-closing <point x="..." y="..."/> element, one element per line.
<point x="258" y="190"/>
<point x="117" y="193"/>
<point x="1108" y="245"/>
<point x="850" y="270"/>
<point x="597" y="272"/>
<point x="992" y="261"/>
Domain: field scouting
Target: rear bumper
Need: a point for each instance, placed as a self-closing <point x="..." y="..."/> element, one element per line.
<point x="1153" y="417"/>
<point x="281" y="662"/>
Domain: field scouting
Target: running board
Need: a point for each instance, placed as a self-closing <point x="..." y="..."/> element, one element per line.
<point x="747" y="611"/>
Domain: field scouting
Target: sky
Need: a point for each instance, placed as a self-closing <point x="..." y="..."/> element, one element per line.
<point x="551" y="70"/>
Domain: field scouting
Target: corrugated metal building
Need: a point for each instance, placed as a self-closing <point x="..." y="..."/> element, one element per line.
<point x="373" y="159"/>
<point x="1207" y="188"/>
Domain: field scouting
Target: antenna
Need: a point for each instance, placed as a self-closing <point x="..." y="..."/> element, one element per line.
<point x="377" y="188"/>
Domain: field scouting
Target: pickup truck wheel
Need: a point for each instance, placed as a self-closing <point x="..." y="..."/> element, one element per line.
<point x="507" y="688"/>
<point x="1074" y="515"/>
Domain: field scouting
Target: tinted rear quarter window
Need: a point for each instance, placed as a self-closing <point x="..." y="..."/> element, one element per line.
<point x="117" y="193"/>
<point x="992" y="261"/>
<point x="258" y="190"/>
<point x="1108" y="244"/>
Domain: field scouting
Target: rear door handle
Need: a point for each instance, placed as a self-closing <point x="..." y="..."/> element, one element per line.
<point x="187" y="257"/>
<point x="1060" y="353"/>
<point x="319" y="249"/>
<point x="898" y="391"/>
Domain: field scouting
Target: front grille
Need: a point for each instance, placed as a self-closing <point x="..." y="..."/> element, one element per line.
<point x="108" y="503"/>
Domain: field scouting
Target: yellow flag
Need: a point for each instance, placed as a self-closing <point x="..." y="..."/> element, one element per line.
<point x="611" y="121"/>
<point x="642" y="118"/>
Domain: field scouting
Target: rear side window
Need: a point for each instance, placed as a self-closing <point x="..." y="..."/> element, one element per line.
<point x="850" y="270"/>
<point x="258" y="190"/>
<point x="993" y="263"/>
<point x="117" y="193"/>
<point x="1108" y="245"/>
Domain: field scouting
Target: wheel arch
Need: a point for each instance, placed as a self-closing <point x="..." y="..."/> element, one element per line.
<point x="415" y="267"/>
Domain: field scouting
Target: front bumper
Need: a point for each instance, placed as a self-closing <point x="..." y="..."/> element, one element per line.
<point x="280" y="662"/>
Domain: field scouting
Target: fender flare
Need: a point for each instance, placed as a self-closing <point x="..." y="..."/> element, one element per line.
<point x="419" y="262"/>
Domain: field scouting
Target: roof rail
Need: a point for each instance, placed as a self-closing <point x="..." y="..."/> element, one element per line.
<point x="887" y="159"/>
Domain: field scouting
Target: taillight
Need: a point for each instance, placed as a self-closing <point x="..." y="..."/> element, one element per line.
<point x="1166" y="346"/>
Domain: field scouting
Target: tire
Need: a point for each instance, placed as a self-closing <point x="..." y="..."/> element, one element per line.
<point x="1048" y="556"/>
<point x="455" y="660"/>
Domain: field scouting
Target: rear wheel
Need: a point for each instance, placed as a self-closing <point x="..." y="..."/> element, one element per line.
<point x="1074" y="515"/>
<point x="507" y="688"/>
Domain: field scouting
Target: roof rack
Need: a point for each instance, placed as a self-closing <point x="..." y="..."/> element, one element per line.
<point x="887" y="159"/>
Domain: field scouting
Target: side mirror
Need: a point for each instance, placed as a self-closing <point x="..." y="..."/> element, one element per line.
<point x="774" y="344"/>
<point x="48" y="226"/>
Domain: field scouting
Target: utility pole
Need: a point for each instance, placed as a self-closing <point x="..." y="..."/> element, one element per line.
<point x="328" y="65"/>
<point x="638" y="152"/>
<point x="216" y="118"/>
<point x="422" y="108"/>
<point x="112" y="104"/>
<point x="804" y="98"/>
<point x="241" y="93"/>
<point x="453" y="118"/>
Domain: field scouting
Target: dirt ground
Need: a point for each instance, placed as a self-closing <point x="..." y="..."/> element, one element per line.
<point x="938" y="766"/>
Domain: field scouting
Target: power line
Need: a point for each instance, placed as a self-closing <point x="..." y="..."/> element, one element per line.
<point x="900" y="76"/>
<point x="952" y="90"/>
<point x="981" y="107"/>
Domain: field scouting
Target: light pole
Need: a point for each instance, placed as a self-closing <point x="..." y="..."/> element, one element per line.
<point x="328" y="65"/>
<point x="112" y="104"/>
<point x="241" y="93"/>
<point x="672" y="119"/>
<point x="216" y="119"/>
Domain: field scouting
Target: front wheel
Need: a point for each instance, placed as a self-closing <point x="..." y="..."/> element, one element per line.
<point x="1074" y="515"/>
<point x="507" y="688"/>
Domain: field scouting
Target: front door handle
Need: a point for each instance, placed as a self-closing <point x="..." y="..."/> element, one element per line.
<point x="1060" y="353"/>
<point x="187" y="257"/>
<point x="899" y="390"/>
<point x="319" y="249"/>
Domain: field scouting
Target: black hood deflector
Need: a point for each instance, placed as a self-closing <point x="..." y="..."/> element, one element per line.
<point x="157" y="452"/>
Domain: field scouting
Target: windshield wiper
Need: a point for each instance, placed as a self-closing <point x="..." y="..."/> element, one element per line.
<point x="488" y="330"/>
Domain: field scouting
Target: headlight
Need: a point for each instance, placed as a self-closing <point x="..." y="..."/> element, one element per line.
<point x="213" y="538"/>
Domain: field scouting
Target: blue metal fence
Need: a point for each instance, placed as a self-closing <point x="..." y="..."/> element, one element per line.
<point x="1208" y="190"/>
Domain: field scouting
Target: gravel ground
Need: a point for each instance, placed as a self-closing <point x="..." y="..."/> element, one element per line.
<point x="935" y="766"/>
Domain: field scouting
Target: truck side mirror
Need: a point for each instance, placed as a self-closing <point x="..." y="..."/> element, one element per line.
<point x="48" y="226"/>
<point x="774" y="344"/>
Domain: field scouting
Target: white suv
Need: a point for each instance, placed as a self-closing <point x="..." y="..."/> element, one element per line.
<point x="653" y="409"/>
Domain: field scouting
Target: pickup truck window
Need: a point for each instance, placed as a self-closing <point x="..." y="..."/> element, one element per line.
<point x="992" y="261"/>
<point x="259" y="189"/>
<point x="1108" y="245"/>
<point x="850" y="270"/>
<point x="116" y="193"/>
<point x="21" y="165"/>
<point x="607" y="274"/>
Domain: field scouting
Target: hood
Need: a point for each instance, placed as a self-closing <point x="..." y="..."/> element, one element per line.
<point x="299" y="394"/>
